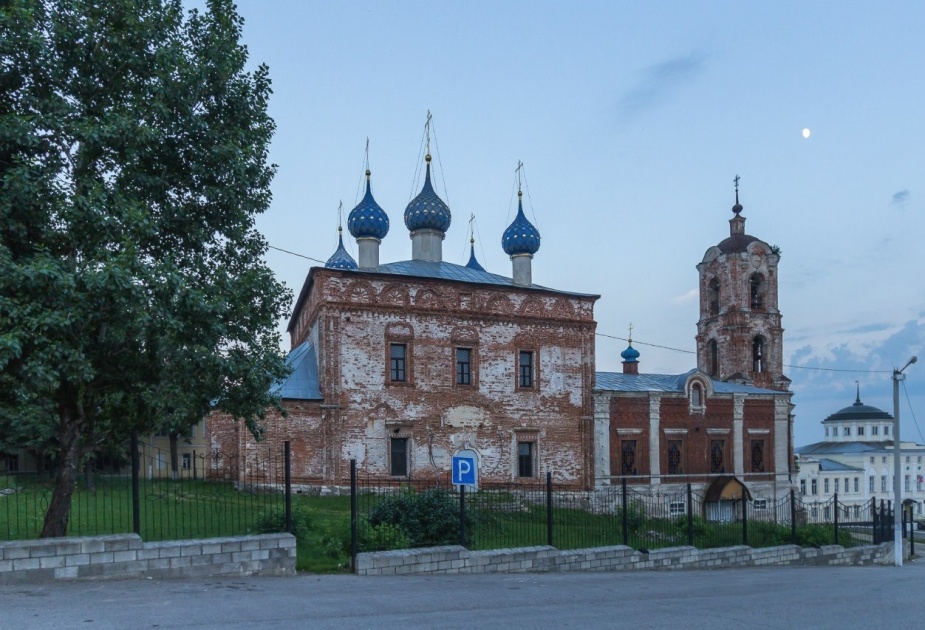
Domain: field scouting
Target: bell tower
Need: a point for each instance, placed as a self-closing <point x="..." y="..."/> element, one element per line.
<point x="739" y="333"/>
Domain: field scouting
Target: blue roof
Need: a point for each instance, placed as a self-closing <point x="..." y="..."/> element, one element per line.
<point x="450" y="271"/>
<point x="368" y="219"/>
<point x="620" y="382"/>
<point x="427" y="210"/>
<point x="340" y="259"/>
<point x="302" y="383"/>
<point x="830" y="465"/>
<point x="520" y="237"/>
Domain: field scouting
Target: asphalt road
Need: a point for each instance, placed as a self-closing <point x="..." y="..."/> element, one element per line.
<point x="773" y="597"/>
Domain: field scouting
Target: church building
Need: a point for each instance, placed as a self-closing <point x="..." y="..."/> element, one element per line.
<point x="726" y="425"/>
<point x="403" y="365"/>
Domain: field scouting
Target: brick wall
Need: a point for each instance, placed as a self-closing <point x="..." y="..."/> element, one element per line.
<point x="126" y="556"/>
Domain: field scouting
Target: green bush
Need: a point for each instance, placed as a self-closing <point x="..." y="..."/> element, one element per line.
<point x="818" y="535"/>
<point x="334" y="538"/>
<point x="273" y="520"/>
<point x="426" y="518"/>
<point x="635" y="516"/>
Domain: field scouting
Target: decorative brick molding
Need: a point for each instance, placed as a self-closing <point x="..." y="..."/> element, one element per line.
<point x="456" y="559"/>
<point x="126" y="556"/>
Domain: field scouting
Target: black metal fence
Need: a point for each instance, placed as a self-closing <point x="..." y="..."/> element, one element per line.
<point x="207" y="494"/>
<point x="388" y="514"/>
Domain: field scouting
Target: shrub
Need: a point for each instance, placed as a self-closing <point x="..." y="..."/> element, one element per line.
<point x="426" y="518"/>
<point x="273" y="520"/>
<point x="334" y="538"/>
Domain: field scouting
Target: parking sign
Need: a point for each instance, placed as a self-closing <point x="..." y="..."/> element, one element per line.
<point x="465" y="470"/>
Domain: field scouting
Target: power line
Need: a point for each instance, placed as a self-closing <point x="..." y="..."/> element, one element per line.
<point x="654" y="345"/>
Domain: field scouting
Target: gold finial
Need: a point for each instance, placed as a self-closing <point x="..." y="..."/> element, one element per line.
<point x="427" y="157"/>
<point x="368" y="173"/>
<point x="472" y="229"/>
<point x="340" y="217"/>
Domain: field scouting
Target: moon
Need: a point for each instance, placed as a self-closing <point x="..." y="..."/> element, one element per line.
<point x="806" y="132"/>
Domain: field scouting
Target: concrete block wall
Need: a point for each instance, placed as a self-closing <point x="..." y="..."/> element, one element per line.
<point x="457" y="559"/>
<point x="126" y="556"/>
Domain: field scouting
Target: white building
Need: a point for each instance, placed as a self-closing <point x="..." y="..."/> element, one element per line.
<point x="856" y="462"/>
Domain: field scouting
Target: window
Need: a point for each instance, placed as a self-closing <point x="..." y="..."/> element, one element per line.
<point x="714" y="357"/>
<point x="525" y="457"/>
<point x="717" y="456"/>
<point x="857" y="511"/>
<point x="908" y="459"/>
<point x="628" y="457"/>
<point x="874" y="430"/>
<point x="398" y="457"/>
<point x="847" y="487"/>
<point x="918" y="483"/>
<point x="398" y="362"/>
<point x="883" y="460"/>
<point x="857" y="484"/>
<point x="696" y="395"/>
<point x="883" y="483"/>
<point x="756" y="292"/>
<point x="802" y="486"/>
<point x="677" y="508"/>
<point x="525" y="375"/>
<point x="907" y="484"/>
<point x="825" y="486"/>
<point x="814" y="512"/>
<point x="860" y="430"/>
<point x="846" y="431"/>
<point x="827" y="431"/>
<point x="758" y="355"/>
<point x="836" y="485"/>
<point x="760" y="504"/>
<point x="871" y="460"/>
<point x="886" y="429"/>
<point x="675" y="466"/>
<point x="827" y="512"/>
<point x="187" y="461"/>
<point x="464" y="366"/>
<point x="870" y="485"/>
<point x="814" y="487"/>
<point x="713" y="296"/>
<point x="757" y="456"/>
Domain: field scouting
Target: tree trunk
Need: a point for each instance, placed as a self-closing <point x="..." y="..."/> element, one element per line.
<point x="59" y="511"/>
<point x="174" y="455"/>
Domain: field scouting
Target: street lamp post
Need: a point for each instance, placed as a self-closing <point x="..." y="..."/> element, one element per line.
<point x="897" y="469"/>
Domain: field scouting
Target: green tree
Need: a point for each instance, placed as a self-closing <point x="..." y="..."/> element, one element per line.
<point x="133" y="162"/>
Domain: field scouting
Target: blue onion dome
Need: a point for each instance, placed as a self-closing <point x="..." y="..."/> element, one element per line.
<point x="631" y="354"/>
<point x="341" y="259"/>
<point x="427" y="210"/>
<point x="368" y="219"/>
<point x="520" y="237"/>
<point x="473" y="263"/>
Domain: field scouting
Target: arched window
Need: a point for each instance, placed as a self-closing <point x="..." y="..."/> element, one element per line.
<point x="713" y="296"/>
<point x="713" y="350"/>
<point x="756" y="292"/>
<point x="758" y="355"/>
<point x="696" y="395"/>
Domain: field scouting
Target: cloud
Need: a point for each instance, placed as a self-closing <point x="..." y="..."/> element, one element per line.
<point x="691" y="295"/>
<point x="866" y="328"/>
<point x="660" y="81"/>
<point x="900" y="198"/>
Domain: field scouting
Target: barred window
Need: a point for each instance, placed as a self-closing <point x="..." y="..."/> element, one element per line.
<point x="525" y="459"/>
<point x="525" y="369"/>
<point x="758" y="456"/>
<point x="717" y="456"/>
<point x="675" y="466"/>
<point x="628" y="457"/>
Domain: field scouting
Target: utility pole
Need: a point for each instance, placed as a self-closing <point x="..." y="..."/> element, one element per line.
<point x="897" y="468"/>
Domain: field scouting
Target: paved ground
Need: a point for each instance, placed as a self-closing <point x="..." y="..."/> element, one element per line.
<point x="775" y="597"/>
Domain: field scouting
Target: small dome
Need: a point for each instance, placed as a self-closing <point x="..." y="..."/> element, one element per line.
<point x="368" y="219"/>
<point x="427" y="210"/>
<point x="520" y="237"/>
<point x="473" y="263"/>
<point x="341" y="259"/>
<point x="859" y="411"/>
<point x="631" y="354"/>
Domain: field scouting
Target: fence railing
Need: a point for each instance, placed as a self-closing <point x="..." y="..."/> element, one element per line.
<point x="209" y="494"/>
<point x="391" y="514"/>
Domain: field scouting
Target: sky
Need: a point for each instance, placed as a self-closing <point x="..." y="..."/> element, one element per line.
<point x="631" y="120"/>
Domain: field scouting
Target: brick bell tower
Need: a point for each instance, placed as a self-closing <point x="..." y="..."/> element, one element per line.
<point x="739" y="333"/>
